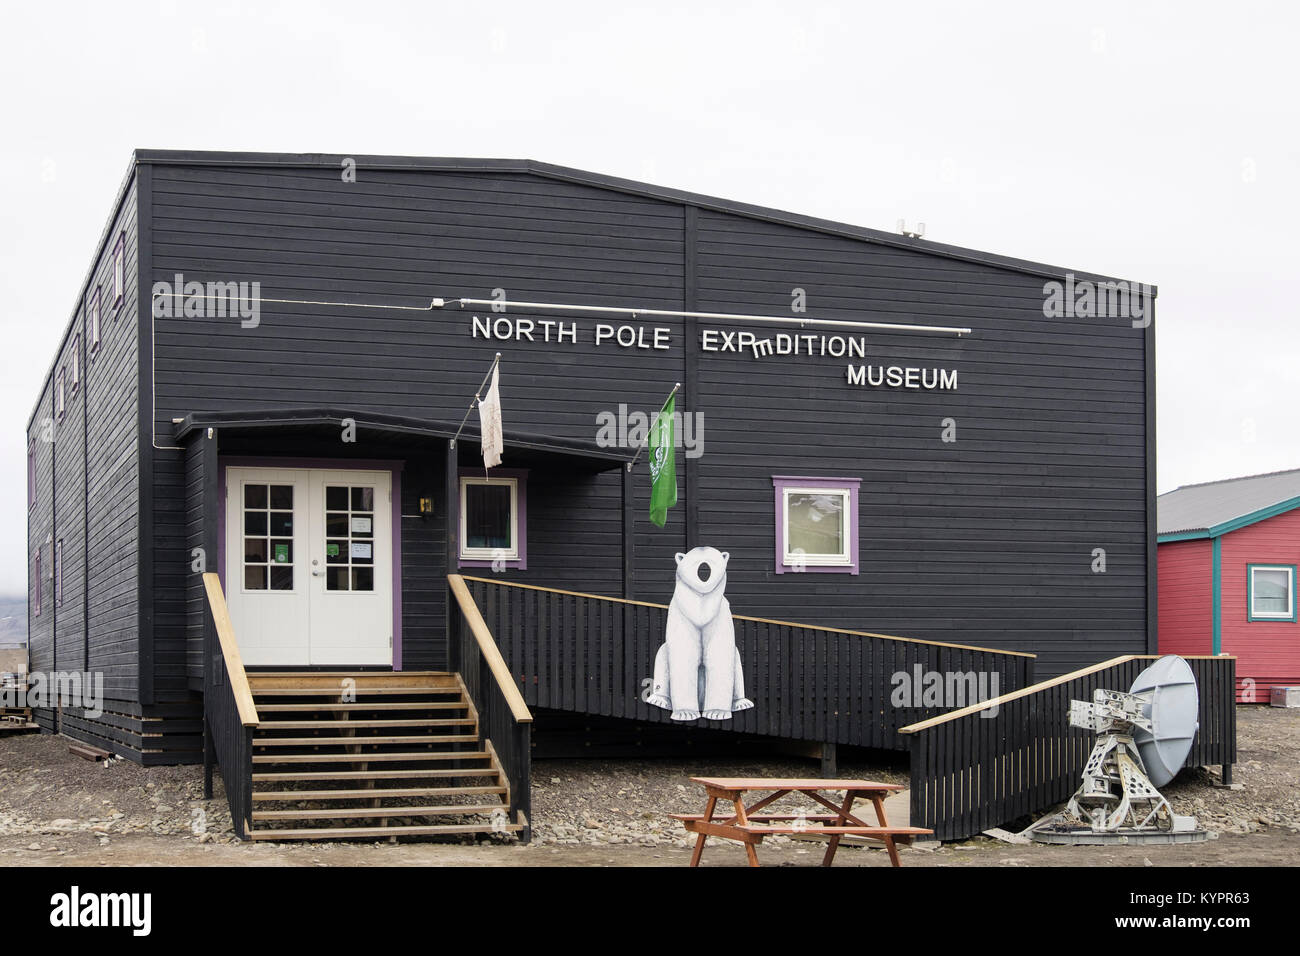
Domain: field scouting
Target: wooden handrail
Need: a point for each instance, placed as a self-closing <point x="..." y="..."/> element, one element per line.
<point x="1043" y="685"/>
<point x="230" y="651"/>
<point x="488" y="647"/>
<point x="756" y="620"/>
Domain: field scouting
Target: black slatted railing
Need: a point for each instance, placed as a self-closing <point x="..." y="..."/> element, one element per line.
<point x="504" y="718"/>
<point x="229" y="716"/>
<point x="1017" y="756"/>
<point x="593" y="654"/>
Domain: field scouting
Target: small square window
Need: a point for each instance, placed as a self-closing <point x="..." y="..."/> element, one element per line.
<point x="816" y="524"/>
<point x="493" y="519"/>
<point x="1272" y="592"/>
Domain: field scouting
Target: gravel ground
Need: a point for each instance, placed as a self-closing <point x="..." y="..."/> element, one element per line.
<point x="1267" y="771"/>
<point x="614" y="802"/>
<point x="55" y="805"/>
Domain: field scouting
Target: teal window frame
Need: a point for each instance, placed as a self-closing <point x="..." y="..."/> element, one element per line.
<point x="1250" y="593"/>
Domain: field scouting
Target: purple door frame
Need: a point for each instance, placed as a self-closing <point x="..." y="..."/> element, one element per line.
<point x="325" y="464"/>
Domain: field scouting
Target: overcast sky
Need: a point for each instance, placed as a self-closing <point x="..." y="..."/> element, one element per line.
<point x="1150" y="141"/>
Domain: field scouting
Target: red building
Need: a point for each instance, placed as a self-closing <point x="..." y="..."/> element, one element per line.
<point x="1228" y="552"/>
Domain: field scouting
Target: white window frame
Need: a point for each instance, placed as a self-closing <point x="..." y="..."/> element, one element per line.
<point x="489" y="554"/>
<point x="61" y="395"/>
<point x="93" y="319"/>
<point x="119" y="269"/>
<point x="31" y="473"/>
<point x="1287" y="615"/>
<point x="76" y="363"/>
<point x="844" y="560"/>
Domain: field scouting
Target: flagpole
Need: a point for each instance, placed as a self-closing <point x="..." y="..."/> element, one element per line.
<point x="647" y="437"/>
<point x="476" y="399"/>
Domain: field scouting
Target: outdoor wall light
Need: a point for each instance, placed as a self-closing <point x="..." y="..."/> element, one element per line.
<point x="426" y="507"/>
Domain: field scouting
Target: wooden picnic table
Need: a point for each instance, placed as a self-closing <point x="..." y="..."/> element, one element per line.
<point x="748" y="827"/>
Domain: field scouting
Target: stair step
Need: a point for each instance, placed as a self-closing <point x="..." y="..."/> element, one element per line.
<point x="361" y="833"/>
<point x="281" y="796"/>
<point x="373" y="774"/>
<point x="379" y="757"/>
<point x="367" y="724"/>
<point x="254" y="672"/>
<point x="470" y="755"/>
<point x="435" y="810"/>
<point x="335" y="691"/>
<point x="343" y="741"/>
<point x="370" y="705"/>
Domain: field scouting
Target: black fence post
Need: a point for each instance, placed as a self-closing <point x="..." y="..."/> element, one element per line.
<point x="207" y="756"/>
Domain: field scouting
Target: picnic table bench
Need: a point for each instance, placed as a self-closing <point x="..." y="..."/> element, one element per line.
<point x="749" y="827"/>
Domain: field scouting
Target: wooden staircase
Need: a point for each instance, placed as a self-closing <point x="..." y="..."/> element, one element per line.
<point x="341" y="755"/>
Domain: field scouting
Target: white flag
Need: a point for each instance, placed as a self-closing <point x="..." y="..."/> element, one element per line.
<point x="489" y="423"/>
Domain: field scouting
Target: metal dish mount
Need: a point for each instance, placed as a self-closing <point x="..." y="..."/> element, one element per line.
<point x="1143" y="738"/>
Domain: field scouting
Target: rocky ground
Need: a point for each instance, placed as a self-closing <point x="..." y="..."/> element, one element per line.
<point x="56" y="808"/>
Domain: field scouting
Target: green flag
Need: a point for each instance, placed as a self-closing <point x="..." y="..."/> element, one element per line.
<point x="663" y="463"/>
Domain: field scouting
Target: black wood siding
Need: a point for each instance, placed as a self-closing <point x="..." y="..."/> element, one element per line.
<point x="398" y="237"/>
<point x="987" y="540"/>
<point x="88" y="478"/>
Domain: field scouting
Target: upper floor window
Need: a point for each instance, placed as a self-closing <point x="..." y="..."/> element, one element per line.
<point x="60" y="396"/>
<point x="36" y="596"/>
<point x="493" y="519"/>
<point x="58" y="573"/>
<point x="816" y="524"/>
<point x="31" y="473"/>
<point x="1272" y="592"/>
<point x="92" y="320"/>
<point x="74" y="363"/>
<point x="119" y="269"/>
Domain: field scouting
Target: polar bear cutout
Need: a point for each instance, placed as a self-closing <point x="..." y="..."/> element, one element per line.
<point x="697" y="670"/>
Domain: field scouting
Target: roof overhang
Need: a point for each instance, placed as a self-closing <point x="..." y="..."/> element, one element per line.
<point x="398" y="430"/>
<point x="1232" y="524"/>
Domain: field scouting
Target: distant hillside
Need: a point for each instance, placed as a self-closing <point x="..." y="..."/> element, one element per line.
<point x="13" y="621"/>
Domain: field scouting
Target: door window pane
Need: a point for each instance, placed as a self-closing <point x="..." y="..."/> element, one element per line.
<point x="268" y="537"/>
<point x="350" y="530"/>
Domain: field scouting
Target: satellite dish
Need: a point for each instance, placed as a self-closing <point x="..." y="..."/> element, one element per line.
<point x="1143" y="739"/>
<point x="1170" y="687"/>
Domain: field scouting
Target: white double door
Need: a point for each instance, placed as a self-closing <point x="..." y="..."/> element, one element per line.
<point x="309" y="565"/>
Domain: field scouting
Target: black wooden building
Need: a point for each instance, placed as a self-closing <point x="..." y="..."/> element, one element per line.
<point x="888" y="434"/>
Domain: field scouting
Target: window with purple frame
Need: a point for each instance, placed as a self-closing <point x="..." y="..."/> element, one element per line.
<point x="816" y="524"/>
<point x="494" y="519"/>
